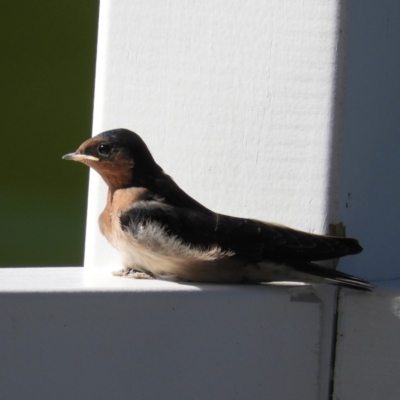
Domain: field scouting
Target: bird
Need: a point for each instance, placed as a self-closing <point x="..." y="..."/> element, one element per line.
<point x="161" y="232"/>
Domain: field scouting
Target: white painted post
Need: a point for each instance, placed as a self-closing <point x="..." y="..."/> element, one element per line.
<point x="235" y="101"/>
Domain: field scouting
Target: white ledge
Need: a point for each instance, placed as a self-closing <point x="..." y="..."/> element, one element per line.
<point x="70" y="333"/>
<point x="79" y="279"/>
<point x="73" y="279"/>
<point x="367" y="352"/>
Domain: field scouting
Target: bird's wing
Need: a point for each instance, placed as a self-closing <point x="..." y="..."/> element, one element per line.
<point x="156" y="224"/>
<point x="164" y="228"/>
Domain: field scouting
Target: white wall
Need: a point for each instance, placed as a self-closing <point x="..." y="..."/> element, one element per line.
<point x="235" y="101"/>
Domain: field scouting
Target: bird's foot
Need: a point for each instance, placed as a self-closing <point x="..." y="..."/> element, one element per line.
<point x="132" y="274"/>
<point x="138" y="275"/>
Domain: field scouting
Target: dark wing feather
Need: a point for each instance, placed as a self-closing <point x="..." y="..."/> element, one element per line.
<point x="191" y="227"/>
<point x="249" y="239"/>
<point x="283" y="243"/>
<point x="331" y="276"/>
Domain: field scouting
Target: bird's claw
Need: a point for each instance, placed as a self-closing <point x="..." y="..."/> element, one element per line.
<point x="132" y="274"/>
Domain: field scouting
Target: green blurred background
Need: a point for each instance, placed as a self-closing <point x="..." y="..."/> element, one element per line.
<point x="47" y="68"/>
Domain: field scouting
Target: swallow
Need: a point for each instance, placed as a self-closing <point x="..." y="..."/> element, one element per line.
<point x="161" y="232"/>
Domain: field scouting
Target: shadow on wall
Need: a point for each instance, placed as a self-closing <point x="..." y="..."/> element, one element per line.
<point x="367" y="125"/>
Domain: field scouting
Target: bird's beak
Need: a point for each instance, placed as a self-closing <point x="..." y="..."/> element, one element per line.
<point x="79" y="157"/>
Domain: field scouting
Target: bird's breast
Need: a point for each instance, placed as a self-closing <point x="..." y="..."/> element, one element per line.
<point x="117" y="202"/>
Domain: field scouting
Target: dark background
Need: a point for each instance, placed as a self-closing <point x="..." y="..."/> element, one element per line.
<point x="47" y="68"/>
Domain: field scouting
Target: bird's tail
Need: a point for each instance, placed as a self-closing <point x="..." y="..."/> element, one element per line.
<point x="333" y="277"/>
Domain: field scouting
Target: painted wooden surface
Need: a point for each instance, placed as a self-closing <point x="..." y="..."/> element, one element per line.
<point x="235" y="101"/>
<point x="239" y="104"/>
<point x="73" y="333"/>
<point x="368" y="352"/>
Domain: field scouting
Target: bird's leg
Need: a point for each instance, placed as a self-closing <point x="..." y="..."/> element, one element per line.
<point x="132" y="273"/>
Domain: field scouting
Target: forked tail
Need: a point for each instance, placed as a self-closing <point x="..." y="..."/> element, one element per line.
<point x="333" y="277"/>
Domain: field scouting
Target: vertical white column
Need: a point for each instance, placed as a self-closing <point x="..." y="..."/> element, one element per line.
<point x="234" y="99"/>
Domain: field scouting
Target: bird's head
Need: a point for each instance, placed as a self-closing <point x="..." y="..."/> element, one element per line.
<point x="120" y="156"/>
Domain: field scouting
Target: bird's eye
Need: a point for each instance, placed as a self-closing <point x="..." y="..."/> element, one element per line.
<point x="104" y="149"/>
